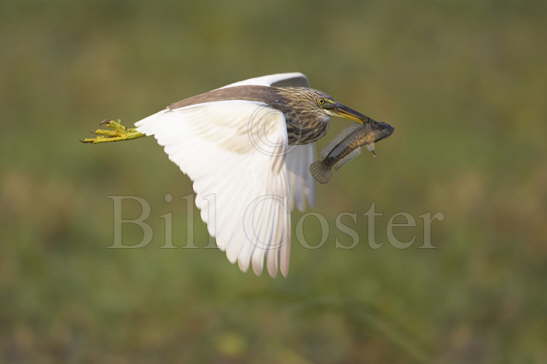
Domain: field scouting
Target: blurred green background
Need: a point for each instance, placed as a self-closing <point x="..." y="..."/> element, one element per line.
<point x="463" y="82"/>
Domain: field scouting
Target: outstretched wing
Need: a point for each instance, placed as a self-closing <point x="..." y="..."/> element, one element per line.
<point x="234" y="152"/>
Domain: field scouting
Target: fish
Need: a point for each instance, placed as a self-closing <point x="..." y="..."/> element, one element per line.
<point x="347" y="145"/>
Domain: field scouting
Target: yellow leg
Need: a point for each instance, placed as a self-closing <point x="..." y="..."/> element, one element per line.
<point x="116" y="133"/>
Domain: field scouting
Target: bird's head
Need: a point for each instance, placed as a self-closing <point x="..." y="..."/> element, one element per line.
<point x="320" y="102"/>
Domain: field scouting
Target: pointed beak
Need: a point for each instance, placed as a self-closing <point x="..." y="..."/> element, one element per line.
<point x="346" y="112"/>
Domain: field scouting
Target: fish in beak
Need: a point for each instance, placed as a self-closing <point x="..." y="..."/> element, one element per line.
<point x="347" y="146"/>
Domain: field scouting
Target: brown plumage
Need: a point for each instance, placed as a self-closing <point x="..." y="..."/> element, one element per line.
<point x="301" y="106"/>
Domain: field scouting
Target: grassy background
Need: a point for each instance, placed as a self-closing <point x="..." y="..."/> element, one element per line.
<point x="464" y="82"/>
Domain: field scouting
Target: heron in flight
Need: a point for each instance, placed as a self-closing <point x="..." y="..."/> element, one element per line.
<point x="247" y="147"/>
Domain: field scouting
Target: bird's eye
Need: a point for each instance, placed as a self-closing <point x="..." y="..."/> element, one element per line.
<point x="326" y="103"/>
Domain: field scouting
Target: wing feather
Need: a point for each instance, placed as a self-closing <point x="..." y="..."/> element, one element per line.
<point x="239" y="166"/>
<point x="302" y="184"/>
<point x="296" y="79"/>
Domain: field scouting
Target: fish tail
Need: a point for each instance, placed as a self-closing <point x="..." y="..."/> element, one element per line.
<point x="320" y="172"/>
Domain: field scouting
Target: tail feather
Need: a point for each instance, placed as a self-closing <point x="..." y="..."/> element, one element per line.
<point x="320" y="172"/>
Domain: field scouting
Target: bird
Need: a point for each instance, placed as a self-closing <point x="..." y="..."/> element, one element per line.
<point x="247" y="147"/>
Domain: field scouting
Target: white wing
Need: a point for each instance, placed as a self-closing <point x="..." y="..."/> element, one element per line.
<point x="301" y="182"/>
<point x="278" y="79"/>
<point x="234" y="152"/>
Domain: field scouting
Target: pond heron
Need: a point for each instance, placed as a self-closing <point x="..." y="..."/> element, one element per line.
<point x="247" y="147"/>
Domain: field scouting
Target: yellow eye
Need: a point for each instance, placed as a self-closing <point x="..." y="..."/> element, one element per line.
<point x="322" y="101"/>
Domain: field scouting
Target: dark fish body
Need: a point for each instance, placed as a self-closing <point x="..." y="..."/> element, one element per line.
<point x="346" y="146"/>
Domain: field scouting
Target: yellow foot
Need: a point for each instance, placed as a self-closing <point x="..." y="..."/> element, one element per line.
<point x="116" y="132"/>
